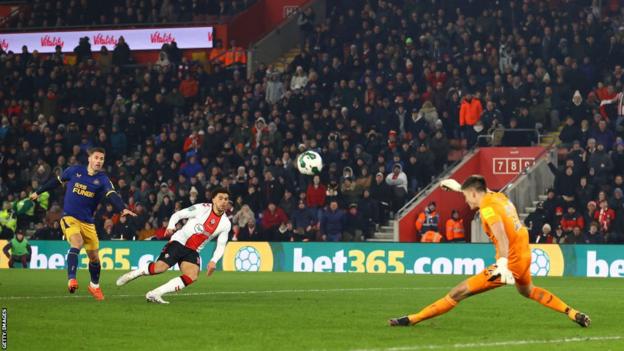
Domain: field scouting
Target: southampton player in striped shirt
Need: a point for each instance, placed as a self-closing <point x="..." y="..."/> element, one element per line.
<point x="86" y="186"/>
<point x="205" y="222"/>
<point x="513" y="256"/>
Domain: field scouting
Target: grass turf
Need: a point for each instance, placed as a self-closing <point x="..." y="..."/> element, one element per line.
<point x="299" y="311"/>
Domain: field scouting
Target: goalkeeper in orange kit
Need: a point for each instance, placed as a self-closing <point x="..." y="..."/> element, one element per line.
<point x="513" y="256"/>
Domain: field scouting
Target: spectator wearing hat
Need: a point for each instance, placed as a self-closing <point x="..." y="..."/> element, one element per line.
<point x="455" y="228"/>
<point x="397" y="180"/>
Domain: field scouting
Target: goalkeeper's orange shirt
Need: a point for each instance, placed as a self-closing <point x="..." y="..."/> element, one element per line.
<point x="496" y="207"/>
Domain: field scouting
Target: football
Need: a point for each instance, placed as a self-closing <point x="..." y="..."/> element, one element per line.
<point x="309" y="163"/>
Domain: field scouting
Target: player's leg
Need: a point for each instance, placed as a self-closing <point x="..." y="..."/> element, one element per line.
<point x="25" y="259"/>
<point x="71" y="229"/>
<point x="474" y="285"/>
<point x="525" y="287"/>
<point x="92" y="246"/>
<point x="162" y="264"/>
<point x="11" y="261"/>
<point x="189" y="266"/>
<point x="152" y="268"/>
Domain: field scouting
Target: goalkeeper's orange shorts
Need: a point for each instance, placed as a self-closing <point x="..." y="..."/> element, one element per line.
<point x="480" y="282"/>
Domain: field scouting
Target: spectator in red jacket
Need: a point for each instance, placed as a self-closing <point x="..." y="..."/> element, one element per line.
<point x="316" y="192"/>
<point x="571" y="220"/>
<point x="272" y="218"/>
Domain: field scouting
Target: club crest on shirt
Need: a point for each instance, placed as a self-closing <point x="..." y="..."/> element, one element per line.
<point x="78" y="175"/>
<point x="199" y="228"/>
<point x="212" y="221"/>
<point x="96" y="182"/>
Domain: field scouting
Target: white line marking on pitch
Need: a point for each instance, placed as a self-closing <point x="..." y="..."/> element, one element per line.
<point x="495" y="344"/>
<point x="250" y="292"/>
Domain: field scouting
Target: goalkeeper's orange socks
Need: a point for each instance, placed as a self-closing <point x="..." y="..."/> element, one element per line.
<point x="549" y="300"/>
<point x="437" y="308"/>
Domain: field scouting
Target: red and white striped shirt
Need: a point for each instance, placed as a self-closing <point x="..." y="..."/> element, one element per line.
<point x="619" y="98"/>
<point x="202" y="226"/>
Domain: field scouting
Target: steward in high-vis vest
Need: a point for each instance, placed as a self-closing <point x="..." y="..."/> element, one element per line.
<point x="455" y="227"/>
<point x="8" y="221"/>
<point x="18" y="250"/>
<point x="428" y="220"/>
<point x="431" y="237"/>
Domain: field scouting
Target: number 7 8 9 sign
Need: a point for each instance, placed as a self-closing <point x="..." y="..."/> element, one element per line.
<point x="511" y="165"/>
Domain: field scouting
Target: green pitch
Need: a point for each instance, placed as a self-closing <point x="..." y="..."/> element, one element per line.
<point x="303" y="311"/>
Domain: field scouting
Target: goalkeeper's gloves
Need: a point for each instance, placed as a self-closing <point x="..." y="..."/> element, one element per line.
<point x="450" y="185"/>
<point x="502" y="271"/>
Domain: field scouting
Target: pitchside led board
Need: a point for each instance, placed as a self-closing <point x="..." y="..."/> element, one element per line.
<point x="137" y="39"/>
<point x="398" y="258"/>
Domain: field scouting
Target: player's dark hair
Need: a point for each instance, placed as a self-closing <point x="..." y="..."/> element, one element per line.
<point x="475" y="182"/>
<point x="219" y="190"/>
<point x="91" y="150"/>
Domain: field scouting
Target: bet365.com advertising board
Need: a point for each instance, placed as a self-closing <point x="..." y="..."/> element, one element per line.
<point x="397" y="258"/>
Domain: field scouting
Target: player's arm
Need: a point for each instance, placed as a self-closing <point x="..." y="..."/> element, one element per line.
<point x="495" y="223"/>
<point x="502" y="241"/>
<point x="6" y="249"/>
<point x="182" y="214"/>
<point x="113" y="197"/>
<point x="218" y="252"/>
<point x="50" y="185"/>
<point x="29" y="248"/>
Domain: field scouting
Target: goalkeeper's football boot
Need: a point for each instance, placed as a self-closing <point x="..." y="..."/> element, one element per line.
<point x="582" y="319"/>
<point x="72" y="285"/>
<point x="399" y="322"/>
<point x="96" y="292"/>
<point x="154" y="297"/>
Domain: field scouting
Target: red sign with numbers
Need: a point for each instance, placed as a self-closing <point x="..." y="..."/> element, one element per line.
<point x="499" y="166"/>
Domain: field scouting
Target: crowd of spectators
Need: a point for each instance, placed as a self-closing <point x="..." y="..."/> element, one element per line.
<point x="382" y="89"/>
<point x="63" y="13"/>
